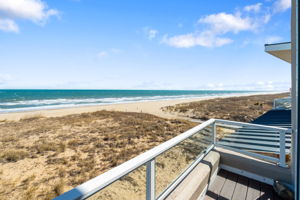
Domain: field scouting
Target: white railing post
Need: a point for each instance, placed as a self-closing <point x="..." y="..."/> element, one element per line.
<point x="282" y="149"/>
<point x="214" y="133"/>
<point x="150" y="180"/>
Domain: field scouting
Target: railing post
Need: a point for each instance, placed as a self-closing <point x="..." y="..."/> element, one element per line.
<point x="150" y="180"/>
<point x="214" y="130"/>
<point x="282" y="149"/>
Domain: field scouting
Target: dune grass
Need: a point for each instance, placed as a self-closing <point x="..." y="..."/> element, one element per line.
<point x="243" y="109"/>
<point x="43" y="157"/>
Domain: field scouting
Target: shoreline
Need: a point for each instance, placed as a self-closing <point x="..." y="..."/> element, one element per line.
<point x="151" y="107"/>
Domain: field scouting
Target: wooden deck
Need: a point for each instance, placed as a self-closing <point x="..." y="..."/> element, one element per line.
<point x="229" y="186"/>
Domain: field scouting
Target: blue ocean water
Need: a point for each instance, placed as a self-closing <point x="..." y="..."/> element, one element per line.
<point x="23" y="100"/>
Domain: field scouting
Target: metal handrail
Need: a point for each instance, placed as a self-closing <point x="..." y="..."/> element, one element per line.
<point x="98" y="183"/>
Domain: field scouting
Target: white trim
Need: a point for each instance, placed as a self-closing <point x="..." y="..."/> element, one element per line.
<point x="150" y="180"/>
<point x="282" y="159"/>
<point x="247" y="174"/>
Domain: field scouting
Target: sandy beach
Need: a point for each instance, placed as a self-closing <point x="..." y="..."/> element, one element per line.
<point x="151" y="107"/>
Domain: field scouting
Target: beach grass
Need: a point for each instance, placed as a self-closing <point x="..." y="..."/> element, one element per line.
<point x="243" y="109"/>
<point x="43" y="157"/>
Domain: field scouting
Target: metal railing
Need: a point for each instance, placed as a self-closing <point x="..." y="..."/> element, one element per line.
<point x="280" y="160"/>
<point x="148" y="159"/>
<point x="282" y="103"/>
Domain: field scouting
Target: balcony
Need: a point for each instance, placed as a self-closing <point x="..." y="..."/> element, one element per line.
<point x="189" y="165"/>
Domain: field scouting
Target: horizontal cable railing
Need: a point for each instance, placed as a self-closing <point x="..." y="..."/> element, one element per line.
<point x="155" y="173"/>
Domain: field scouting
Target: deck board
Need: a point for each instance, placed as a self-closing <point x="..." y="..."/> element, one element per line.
<point x="253" y="192"/>
<point x="231" y="186"/>
<point x="216" y="187"/>
<point x="241" y="188"/>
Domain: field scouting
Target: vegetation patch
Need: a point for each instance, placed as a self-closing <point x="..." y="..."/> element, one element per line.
<point x="63" y="152"/>
<point x="13" y="155"/>
<point x="243" y="109"/>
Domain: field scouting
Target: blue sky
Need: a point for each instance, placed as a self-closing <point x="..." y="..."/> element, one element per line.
<point x="138" y="44"/>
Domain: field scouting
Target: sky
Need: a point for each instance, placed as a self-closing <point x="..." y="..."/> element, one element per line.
<point x="139" y="44"/>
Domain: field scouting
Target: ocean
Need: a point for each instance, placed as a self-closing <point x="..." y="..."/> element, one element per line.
<point x="26" y="100"/>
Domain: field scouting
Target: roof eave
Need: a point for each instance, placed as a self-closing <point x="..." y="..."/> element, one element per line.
<point x="280" y="50"/>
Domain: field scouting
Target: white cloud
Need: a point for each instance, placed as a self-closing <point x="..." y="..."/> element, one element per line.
<point x="224" y="23"/>
<point x="273" y="39"/>
<point x="217" y="25"/>
<point x="266" y="18"/>
<point x="150" y="33"/>
<point x="215" y="29"/>
<point x="205" y="39"/>
<point x="282" y="5"/>
<point x="33" y="10"/>
<point x="8" y="25"/>
<point x="253" y="8"/>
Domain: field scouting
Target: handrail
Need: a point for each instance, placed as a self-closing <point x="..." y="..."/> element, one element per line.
<point x="96" y="184"/>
